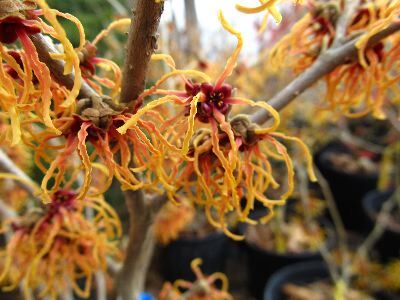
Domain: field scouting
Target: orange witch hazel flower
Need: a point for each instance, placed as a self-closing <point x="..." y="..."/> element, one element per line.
<point x="307" y="38"/>
<point x="358" y="87"/>
<point x="91" y="132"/>
<point x="211" y="170"/>
<point x="55" y="245"/>
<point x="203" y="288"/>
<point x="355" y="90"/>
<point x="373" y="79"/>
<point x="26" y="93"/>
<point x="366" y="85"/>
<point x="268" y="6"/>
<point x="94" y="125"/>
<point x="172" y="220"/>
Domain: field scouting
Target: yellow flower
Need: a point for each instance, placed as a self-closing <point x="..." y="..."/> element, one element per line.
<point x="171" y="220"/>
<point x="56" y="246"/>
<point x="268" y="6"/>
<point x="203" y="288"/>
<point x="209" y="161"/>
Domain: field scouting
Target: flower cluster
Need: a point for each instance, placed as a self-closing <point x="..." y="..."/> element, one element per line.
<point x="225" y="163"/>
<point x="186" y="140"/>
<point x="358" y="87"/>
<point x="311" y="35"/>
<point x="203" y="288"/>
<point x="182" y="143"/>
<point x="172" y="220"/>
<point x="56" y="245"/>
<point x="26" y="82"/>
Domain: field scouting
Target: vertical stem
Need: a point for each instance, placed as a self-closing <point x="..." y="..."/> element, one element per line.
<point x="101" y="288"/>
<point x="280" y="240"/>
<point x="341" y="283"/>
<point x="338" y="223"/>
<point x="304" y="193"/>
<point x="131" y="279"/>
<point x="192" y="29"/>
<point x="305" y="199"/>
<point x="142" y="42"/>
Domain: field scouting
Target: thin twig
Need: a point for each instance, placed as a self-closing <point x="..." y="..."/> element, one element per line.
<point x="303" y="191"/>
<point x="330" y="201"/>
<point x="305" y="198"/>
<point x="350" y="6"/>
<point x="324" y="64"/>
<point x="56" y="67"/>
<point x="346" y="137"/>
<point x="6" y="211"/>
<point x="338" y="223"/>
<point x="380" y="225"/>
<point x="330" y="261"/>
<point x="8" y="166"/>
<point x="393" y="118"/>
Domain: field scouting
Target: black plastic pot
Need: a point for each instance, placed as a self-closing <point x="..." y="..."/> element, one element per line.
<point x="13" y="295"/>
<point x="263" y="264"/>
<point x="348" y="189"/>
<point x="299" y="273"/>
<point x="388" y="245"/>
<point x="305" y="273"/>
<point x="177" y="256"/>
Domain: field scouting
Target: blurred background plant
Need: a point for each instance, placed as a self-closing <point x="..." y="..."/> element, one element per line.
<point x="367" y="147"/>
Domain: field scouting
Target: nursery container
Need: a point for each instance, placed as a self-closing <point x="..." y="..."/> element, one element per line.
<point x="262" y="264"/>
<point x="304" y="273"/>
<point x="299" y="273"/>
<point x="177" y="256"/>
<point x="388" y="245"/>
<point x="348" y="189"/>
<point x="13" y="295"/>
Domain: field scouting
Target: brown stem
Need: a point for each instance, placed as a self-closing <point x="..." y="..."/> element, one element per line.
<point x="142" y="42"/>
<point x="131" y="279"/>
<point x="325" y="64"/>
<point x="56" y="67"/>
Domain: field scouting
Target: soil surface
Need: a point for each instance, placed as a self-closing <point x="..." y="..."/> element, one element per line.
<point x="319" y="291"/>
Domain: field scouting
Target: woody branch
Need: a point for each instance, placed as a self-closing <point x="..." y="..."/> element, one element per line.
<point x="142" y="42"/>
<point x="325" y="63"/>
